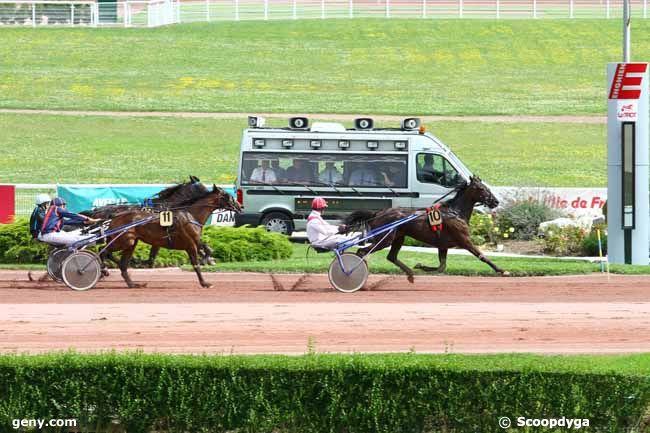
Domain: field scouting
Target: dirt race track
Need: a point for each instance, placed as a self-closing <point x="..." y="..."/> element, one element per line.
<point x="244" y="313"/>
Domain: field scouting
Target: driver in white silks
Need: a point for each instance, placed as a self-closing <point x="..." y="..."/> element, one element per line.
<point x="320" y="233"/>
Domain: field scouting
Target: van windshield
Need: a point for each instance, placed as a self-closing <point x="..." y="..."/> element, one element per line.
<point x="335" y="169"/>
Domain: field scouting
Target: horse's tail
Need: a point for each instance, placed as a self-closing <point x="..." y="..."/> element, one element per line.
<point x="359" y="218"/>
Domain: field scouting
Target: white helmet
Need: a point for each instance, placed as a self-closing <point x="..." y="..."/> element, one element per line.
<point x="42" y="198"/>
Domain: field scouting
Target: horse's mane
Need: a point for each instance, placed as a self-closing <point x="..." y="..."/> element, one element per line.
<point x="170" y="191"/>
<point x="190" y="201"/>
<point x="460" y="189"/>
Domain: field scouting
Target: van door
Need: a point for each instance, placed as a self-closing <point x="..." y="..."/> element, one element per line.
<point x="432" y="177"/>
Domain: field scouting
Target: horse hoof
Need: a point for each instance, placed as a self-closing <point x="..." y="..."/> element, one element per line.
<point x="105" y="273"/>
<point x="411" y="279"/>
<point x="505" y="274"/>
<point x="206" y="285"/>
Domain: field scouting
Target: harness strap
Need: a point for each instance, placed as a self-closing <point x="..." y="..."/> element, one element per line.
<point x="47" y="217"/>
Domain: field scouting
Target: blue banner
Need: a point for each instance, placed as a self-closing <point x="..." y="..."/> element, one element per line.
<point x="86" y="197"/>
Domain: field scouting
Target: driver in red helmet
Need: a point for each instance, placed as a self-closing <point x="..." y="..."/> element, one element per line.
<point x="321" y="234"/>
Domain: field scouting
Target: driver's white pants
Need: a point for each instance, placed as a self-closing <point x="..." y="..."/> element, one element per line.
<point x="331" y="242"/>
<point x="63" y="238"/>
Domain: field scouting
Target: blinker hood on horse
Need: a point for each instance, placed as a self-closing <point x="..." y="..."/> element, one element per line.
<point x="454" y="232"/>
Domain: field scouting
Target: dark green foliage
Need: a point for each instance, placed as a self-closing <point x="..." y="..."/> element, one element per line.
<point x="17" y="246"/>
<point x="323" y="393"/>
<point x="229" y="244"/>
<point x="590" y="242"/>
<point x="525" y="217"/>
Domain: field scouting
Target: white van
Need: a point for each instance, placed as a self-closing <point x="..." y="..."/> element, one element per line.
<point x="282" y="169"/>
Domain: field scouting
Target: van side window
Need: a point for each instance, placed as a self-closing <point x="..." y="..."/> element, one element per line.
<point x="325" y="169"/>
<point x="433" y="168"/>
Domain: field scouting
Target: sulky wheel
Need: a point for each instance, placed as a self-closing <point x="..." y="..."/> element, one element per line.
<point x="81" y="270"/>
<point x="55" y="263"/>
<point x="357" y="269"/>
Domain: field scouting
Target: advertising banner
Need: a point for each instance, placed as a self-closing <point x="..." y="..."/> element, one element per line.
<point x="86" y="197"/>
<point x="7" y="203"/>
<point x="571" y="201"/>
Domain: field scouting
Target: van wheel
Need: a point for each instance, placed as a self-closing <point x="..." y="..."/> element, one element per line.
<point x="278" y="222"/>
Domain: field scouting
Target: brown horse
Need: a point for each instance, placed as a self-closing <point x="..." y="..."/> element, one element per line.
<point x="168" y="197"/>
<point x="184" y="234"/>
<point x="455" y="232"/>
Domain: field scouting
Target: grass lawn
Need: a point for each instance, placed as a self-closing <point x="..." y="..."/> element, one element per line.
<point x="456" y="265"/>
<point x="93" y="149"/>
<point x="347" y="66"/>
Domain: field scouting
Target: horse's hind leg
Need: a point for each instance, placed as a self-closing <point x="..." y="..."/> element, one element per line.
<point x="124" y="266"/>
<point x="193" y="254"/>
<point x="442" y="258"/>
<point x="392" y="257"/>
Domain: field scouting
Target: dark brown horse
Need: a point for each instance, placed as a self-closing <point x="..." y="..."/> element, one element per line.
<point x="455" y="232"/>
<point x="184" y="234"/>
<point x="168" y="197"/>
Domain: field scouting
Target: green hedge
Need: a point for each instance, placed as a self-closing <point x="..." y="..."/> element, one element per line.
<point x="325" y="393"/>
<point x="229" y="244"/>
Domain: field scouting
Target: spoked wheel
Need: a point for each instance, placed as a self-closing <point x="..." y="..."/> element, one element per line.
<point x="55" y="263"/>
<point x="355" y="266"/>
<point x="81" y="270"/>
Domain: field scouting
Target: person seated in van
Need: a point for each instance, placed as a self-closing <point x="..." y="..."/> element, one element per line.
<point x="264" y="173"/>
<point x="320" y="233"/>
<point x="299" y="172"/>
<point x="330" y="175"/>
<point x="393" y="175"/>
<point x="364" y="175"/>
<point x="280" y="173"/>
<point x="426" y="172"/>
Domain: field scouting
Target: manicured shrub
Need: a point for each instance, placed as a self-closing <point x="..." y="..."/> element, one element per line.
<point x="314" y="393"/>
<point x="590" y="241"/>
<point x="17" y="246"/>
<point x="524" y="217"/>
<point x="229" y="244"/>
<point x="563" y="241"/>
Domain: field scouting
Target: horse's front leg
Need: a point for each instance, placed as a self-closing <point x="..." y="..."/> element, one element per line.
<point x="193" y="254"/>
<point x="469" y="246"/>
<point x="127" y="254"/>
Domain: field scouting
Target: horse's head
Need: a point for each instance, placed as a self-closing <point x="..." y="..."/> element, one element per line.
<point x="225" y="200"/>
<point x="480" y="193"/>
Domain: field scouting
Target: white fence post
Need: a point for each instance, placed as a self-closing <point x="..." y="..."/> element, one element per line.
<point x="645" y="8"/>
<point x="387" y="8"/>
<point x="207" y="10"/>
<point x="322" y="9"/>
<point x="351" y="9"/>
<point x="534" y="8"/>
<point x="178" y="11"/>
<point x="237" y="10"/>
<point x="96" y="11"/>
<point x="424" y="8"/>
<point x="125" y="6"/>
<point x="72" y="14"/>
<point x="460" y="8"/>
<point x="295" y="9"/>
<point x="33" y="15"/>
<point x="571" y="9"/>
<point x="607" y="9"/>
<point x="498" y="7"/>
<point x="266" y="9"/>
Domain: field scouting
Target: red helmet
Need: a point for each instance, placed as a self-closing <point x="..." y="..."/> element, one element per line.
<point x="318" y="203"/>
